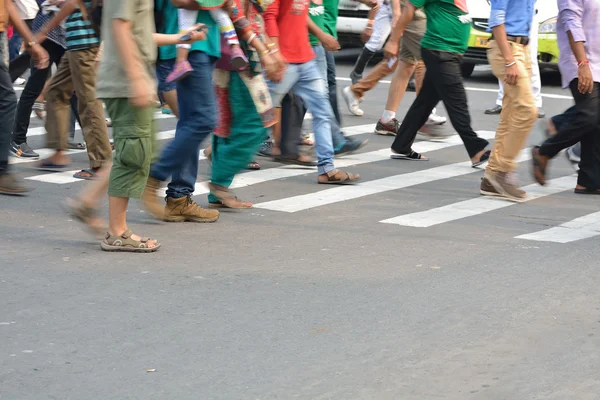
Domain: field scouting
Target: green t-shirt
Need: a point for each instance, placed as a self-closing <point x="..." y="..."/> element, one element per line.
<point x="448" y="25"/>
<point x="317" y="14"/>
<point x="112" y="81"/>
<point x="331" y="16"/>
<point x="169" y="24"/>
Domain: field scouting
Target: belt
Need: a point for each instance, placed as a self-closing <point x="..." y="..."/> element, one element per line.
<point x="524" y="40"/>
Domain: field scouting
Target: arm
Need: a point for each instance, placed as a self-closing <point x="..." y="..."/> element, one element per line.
<point x="38" y="54"/>
<point x="162" y="39"/>
<point x="571" y="14"/>
<point x="270" y="17"/>
<point x="496" y="21"/>
<point x="393" y="43"/>
<point x="396" y="12"/>
<point x="329" y="42"/>
<point x="67" y="9"/>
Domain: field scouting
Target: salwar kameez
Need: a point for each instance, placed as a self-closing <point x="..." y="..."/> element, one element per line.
<point x="232" y="153"/>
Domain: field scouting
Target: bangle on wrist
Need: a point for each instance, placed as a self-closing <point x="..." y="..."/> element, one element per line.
<point x="251" y="38"/>
<point x="273" y="51"/>
<point x="582" y="63"/>
<point x="270" y="45"/>
<point x="32" y="43"/>
<point x="510" y="64"/>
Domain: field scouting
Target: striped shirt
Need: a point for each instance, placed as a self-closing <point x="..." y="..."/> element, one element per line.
<point x="80" y="33"/>
<point x="57" y="35"/>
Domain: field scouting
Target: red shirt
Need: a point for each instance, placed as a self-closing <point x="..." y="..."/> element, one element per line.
<point x="286" y="19"/>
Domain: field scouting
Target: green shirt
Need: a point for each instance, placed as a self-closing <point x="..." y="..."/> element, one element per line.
<point x="169" y="24"/>
<point x="317" y="14"/>
<point x="112" y="81"/>
<point x="448" y="25"/>
<point x="212" y="44"/>
<point x="331" y="16"/>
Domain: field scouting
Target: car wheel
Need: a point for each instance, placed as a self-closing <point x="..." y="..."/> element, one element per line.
<point x="467" y="70"/>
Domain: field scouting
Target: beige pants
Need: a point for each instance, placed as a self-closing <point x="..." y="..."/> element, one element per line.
<point x="519" y="112"/>
<point x="77" y="72"/>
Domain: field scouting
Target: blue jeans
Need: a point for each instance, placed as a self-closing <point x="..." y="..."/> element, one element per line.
<point x="8" y="104"/>
<point x="336" y="132"/>
<point x="197" y="119"/>
<point x="307" y="82"/>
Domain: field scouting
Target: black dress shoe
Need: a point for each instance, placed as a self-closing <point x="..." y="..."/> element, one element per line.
<point x="494" y="110"/>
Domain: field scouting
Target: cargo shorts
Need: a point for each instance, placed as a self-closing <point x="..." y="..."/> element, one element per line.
<point x="135" y="147"/>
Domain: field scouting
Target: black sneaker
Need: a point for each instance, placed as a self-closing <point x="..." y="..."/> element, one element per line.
<point x="388" y="128"/>
<point x="23" y="150"/>
<point x="350" y="146"/>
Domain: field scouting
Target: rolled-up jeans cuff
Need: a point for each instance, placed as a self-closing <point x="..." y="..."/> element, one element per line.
<point x="323" y="169"/>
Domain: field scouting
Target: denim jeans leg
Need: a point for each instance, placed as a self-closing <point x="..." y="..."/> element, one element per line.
<point x="280" y="89"/>
<point x="311" y="88"/>
<point x="332" y="86"/>
<point x="321" y="59"/>
<point x="8" y="104"/>
<point x="197" y="119"/>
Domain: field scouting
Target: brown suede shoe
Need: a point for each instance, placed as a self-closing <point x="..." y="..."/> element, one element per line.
<point x="151" y="200"/>
<point x="10" y="185"/>
<point x="185" y="209"/>
<point x="501" y="184"/>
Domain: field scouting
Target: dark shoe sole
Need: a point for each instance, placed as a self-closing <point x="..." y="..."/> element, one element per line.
<point x="189" y="219"/>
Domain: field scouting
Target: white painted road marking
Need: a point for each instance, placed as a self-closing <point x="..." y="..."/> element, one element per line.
<point x="580" y="228"/>
<point x="480" y="205"/>
<point x="343" y="193"/>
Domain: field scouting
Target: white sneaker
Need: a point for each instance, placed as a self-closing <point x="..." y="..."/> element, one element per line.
<point x="435" y="119"/>
<point x="352" y="102"/>
<point x="20" y="81"/>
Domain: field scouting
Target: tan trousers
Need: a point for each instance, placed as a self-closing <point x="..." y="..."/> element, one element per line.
<point x="77" y="71"/>
<point x="519" y="112"/>
<point x="379" y="72"/>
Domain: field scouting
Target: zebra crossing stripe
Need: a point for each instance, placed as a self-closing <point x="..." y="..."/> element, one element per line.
<point x="580" y="228"/>
<point x="470" y="208"/>
<point x="344" y="193"/>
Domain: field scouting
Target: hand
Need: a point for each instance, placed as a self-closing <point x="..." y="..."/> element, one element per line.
<point x="141" y="92"/>
<point x="585" y="82"/>
<point x="40" y="56"/>
<point x="512" y="75"/>
<point x="228" y="5"/>
<point x="391" y="49"/>
<point x="271" y="68"/>
<point x="39" y="37"/>
<point x="330" y="43"/>
<point x="281" y="65"/>
<point x="195" y="34"/>
<point x="365" y="35"/>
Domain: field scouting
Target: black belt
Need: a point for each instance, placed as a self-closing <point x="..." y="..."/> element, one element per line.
<point x="524" y="40"/>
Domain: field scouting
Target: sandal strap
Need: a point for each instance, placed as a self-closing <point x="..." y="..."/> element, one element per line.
<point x="127" y="234"/>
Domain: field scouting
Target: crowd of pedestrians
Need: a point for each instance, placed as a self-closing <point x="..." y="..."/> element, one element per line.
<point x="246" y="71"/>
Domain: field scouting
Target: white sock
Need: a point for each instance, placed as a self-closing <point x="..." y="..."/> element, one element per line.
<point x="433" y="112"/>
<point x="387" y="116"/>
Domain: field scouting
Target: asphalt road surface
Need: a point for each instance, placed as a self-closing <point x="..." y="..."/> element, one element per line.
<point x="407" y="286"/>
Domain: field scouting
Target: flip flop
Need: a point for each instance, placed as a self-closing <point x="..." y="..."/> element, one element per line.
<point x="51" y="167"/>
<point x="253" y="166"/>
<point x="76" y="146"/>
<point x="80" y="175"/>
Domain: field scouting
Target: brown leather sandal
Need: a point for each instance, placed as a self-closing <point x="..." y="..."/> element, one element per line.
<point x="337" y="177"/>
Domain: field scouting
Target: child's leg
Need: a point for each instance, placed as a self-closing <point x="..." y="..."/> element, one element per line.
<point x="187" y="19"/>
<point x="238" y="59"/>
<point x="227" y="30"/>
